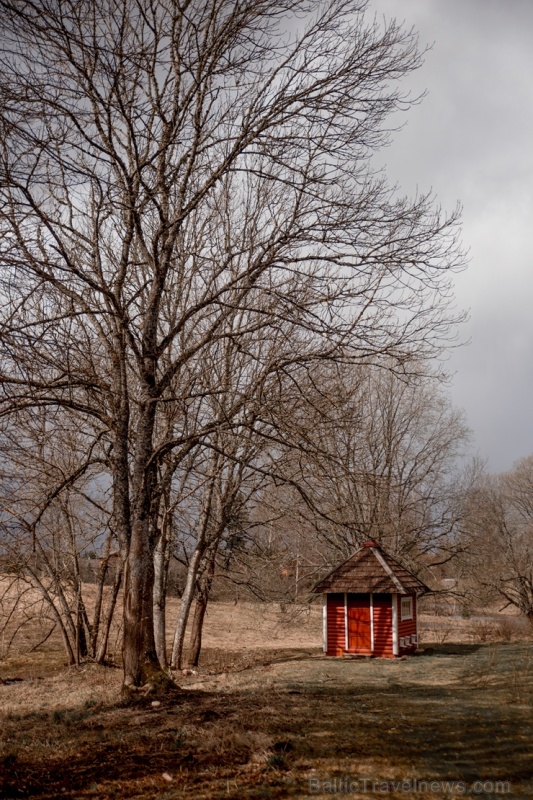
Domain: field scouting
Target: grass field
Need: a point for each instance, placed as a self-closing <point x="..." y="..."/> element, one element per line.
<point x="267" y="716"/>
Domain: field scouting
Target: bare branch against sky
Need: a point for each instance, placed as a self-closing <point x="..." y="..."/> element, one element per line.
<point x="470" y="139"/>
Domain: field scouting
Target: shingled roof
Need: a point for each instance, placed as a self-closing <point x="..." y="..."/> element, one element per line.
<point x="371" y="569"/>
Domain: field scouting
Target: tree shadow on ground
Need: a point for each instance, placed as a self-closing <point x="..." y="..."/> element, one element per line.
<point x="450" y="649"/>
<point x="267" y="740"/>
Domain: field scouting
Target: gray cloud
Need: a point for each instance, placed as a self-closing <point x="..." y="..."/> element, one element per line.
<point x="471" y="140"/>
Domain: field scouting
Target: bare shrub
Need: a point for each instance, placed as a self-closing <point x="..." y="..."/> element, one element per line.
<point x="499" y="629"/>
<point x="511" y="629"/>
<point x="483" y="630"/>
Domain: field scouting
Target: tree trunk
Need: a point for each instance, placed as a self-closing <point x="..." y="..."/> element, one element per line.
<point x="101" y="653"/>
<point x="161" y="560"/>
<point x="139" y="656"/>
<point x="62" y="627"/>
<point x="100" y="583"/>
<point x="200" y="608"/>
<point x="192" y="572"/>
<point x="185" y="607"/>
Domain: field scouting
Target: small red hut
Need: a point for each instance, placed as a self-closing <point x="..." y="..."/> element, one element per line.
<point x="370" y="606"/>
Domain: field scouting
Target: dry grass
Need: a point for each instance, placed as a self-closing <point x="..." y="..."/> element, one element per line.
<point x="242" y="627"/>
<point x="462" y="713"/>
<point x="491" y="626"/>
<point x="266" y="713"/>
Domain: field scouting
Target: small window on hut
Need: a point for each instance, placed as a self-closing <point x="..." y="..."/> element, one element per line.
<point x="406" y="608"/>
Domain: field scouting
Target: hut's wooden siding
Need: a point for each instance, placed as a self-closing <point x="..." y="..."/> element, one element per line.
<point x="336" y="637"/>
<point x="359" y="626"/>
<point x="383" y="625"/>
<point x="407" y="629"/>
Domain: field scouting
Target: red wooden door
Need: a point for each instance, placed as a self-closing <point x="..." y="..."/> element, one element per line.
<point x="359" y="635"/>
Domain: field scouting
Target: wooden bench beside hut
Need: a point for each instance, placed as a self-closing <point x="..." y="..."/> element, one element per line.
<point x="370" y="606"/>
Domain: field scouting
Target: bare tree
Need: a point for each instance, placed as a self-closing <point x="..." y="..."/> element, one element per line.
<point x="163" y="165"/>
<point x="498" y="539"/>
<point x="377" y="456"/>
<point x="53" y="515"/>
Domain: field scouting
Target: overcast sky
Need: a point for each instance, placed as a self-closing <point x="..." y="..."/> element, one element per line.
<point x="471" y="140"/>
